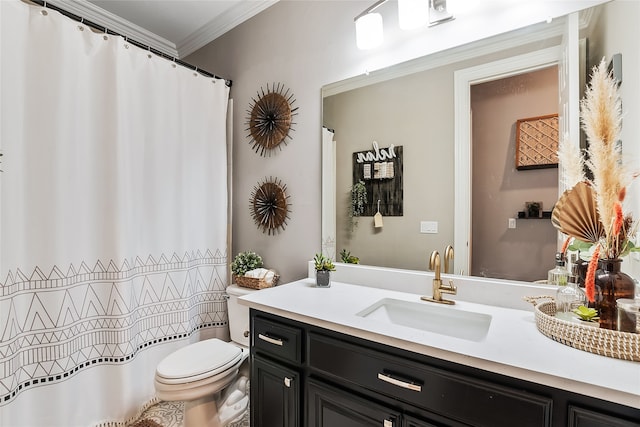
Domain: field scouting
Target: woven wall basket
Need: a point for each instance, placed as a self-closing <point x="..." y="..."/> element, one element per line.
<point x="605" y="342"/>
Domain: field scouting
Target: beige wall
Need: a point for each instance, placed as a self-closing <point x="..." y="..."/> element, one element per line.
<point x="499" y="191"/>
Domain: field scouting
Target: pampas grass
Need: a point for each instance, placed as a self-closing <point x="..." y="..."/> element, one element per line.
<point x="601" y="120"/>
<point x="601" y="117"/>
<point x="572" y="163"/>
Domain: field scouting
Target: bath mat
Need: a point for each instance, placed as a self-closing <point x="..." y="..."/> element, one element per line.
<point x="146" y="423"/>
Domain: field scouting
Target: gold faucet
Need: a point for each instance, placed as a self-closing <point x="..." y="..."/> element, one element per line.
<point x="438" y="287"/>
<point x="448" y="256"/>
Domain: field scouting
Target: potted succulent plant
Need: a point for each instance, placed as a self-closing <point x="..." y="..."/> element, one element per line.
<point x="347" y="258"/>
<point x="324" y="266"/>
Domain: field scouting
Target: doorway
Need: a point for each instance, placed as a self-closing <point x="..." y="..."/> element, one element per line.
<point x="503" y="245"/>
<point x="463" y="80"/>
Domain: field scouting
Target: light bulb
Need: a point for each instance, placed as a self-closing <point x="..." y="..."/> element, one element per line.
<point x="369" y="33"/>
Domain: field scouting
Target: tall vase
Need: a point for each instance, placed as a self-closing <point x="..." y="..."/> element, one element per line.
<point x="611" y="285"/>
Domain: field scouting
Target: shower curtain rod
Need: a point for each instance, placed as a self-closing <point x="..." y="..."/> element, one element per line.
<point x="129" y="40"/>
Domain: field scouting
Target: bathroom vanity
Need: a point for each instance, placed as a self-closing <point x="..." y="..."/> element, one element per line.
<point x="351" y="356"/>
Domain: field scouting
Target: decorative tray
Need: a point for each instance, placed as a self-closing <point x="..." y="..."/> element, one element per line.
<point x="605" y="342"/>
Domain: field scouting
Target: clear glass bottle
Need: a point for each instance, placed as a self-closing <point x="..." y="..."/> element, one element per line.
<point x="559" y="275"/>
<point x="569" y="296"/>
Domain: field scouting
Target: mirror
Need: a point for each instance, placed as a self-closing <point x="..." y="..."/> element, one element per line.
<point x="413" y="106"/>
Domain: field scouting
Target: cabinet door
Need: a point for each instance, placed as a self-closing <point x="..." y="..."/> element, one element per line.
<point x="579" y="417"/>
<point x="275" y="395"/>
<point x="331" y="407"/>
<point x="414" y="422"/>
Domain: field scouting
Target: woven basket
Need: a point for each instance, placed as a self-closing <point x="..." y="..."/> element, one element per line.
<point x="253" y="283"/>
<point x="605" y="342"/>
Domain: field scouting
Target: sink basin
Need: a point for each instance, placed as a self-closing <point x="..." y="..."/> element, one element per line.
<point x="426" y="316"/>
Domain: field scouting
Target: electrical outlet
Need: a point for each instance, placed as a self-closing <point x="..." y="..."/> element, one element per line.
<point x="512" y="223"/>
<point x="429" y="227"/>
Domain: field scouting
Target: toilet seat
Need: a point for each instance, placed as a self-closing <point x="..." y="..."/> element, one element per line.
<point x="202" y="360"/>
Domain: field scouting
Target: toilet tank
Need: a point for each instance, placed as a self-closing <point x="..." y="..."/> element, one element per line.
<point x="238" y="314"/>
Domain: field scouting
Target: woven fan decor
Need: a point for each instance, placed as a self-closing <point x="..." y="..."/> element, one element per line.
<point x="576" y="214"/>
<point x="270" y="118"/>
<point x="537" y="142"/>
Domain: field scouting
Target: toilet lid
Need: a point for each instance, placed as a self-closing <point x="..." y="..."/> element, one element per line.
<point x="210" y="356"/>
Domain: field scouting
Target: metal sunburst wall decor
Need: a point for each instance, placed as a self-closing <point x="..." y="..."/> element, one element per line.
<point x="270" y="205"/>
<point x="270" y="118"/>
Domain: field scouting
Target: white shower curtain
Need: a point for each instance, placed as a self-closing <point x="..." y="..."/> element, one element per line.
<point x="113" y="215"/>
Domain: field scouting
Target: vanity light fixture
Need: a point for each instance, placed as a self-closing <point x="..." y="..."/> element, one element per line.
<point x="369" y="31"/>
<point x="412" y="14"/>
<point x="438" y="12"/>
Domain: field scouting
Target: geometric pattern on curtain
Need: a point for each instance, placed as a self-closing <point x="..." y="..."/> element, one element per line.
<point x="103" y="314"/>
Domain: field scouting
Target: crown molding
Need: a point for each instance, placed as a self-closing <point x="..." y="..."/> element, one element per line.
<point x="91" y="12"/>
<point x="221" y="24"/>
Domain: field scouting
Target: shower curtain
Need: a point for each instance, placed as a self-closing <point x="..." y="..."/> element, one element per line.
<point x="113" y="216"/>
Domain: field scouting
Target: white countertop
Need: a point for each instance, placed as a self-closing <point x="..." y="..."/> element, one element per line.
<point x="513" y="345"/>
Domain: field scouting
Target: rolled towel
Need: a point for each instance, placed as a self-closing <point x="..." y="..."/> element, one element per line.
<point x="261" y="273"/>
<point x="257" y="273"/>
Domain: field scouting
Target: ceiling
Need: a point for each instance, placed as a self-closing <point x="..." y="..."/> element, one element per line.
<point x="174" y="27"/>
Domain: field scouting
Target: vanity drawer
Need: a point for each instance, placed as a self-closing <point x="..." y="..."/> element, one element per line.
<point x="276" y="339"/>
<point x="454" y="396"/>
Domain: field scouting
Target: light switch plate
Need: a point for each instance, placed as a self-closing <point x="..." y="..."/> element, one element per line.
<point x="429" y="227"/>
<point x="512" y="223"/>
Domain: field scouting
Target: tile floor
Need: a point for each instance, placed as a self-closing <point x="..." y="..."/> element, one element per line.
<point x="169" y="414"/>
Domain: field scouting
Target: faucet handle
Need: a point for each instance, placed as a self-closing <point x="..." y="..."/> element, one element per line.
<point x="451" y="287"/>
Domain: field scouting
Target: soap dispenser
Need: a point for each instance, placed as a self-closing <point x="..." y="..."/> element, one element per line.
<point x="570" y="296"/>
<point x="559" y="275"/>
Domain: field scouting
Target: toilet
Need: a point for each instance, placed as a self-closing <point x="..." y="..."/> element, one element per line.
<point x="205" y="375"/>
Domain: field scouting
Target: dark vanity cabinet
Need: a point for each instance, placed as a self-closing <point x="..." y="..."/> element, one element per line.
<point x="309" y="376"/>
<point x="276" y="373"/>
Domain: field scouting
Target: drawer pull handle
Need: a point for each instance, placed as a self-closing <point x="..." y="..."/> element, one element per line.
<point x="287" y="382"/>
<point x="399" y="383"/>
<point x="274" y="341"/>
